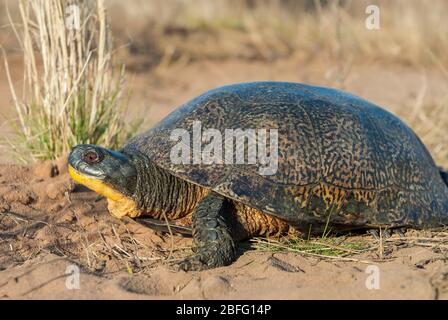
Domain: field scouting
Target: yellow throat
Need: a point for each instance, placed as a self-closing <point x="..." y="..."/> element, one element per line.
<point x="119" y="205"/>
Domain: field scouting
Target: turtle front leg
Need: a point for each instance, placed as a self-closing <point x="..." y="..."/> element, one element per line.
<point x="212" y="235"/>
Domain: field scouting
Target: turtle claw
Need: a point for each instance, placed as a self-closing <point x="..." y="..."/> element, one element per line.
<point x="387" y="233"/>
<point x="376" y="233"/>
<point x="401" y="232"/>
<point x="193" y="263"/>
<point x="213" y="241"/>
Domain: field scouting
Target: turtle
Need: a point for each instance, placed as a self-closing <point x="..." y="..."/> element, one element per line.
<point x="342" y="163"/>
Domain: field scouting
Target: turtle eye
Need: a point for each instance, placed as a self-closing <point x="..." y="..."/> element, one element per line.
<point x="91" y="156"/>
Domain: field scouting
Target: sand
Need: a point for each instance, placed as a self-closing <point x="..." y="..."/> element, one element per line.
<point x="50" y="227"/>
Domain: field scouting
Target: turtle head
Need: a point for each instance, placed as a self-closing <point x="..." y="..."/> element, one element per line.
<point x="110" y="173"/>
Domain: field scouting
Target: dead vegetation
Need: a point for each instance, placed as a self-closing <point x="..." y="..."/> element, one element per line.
<point x="104" y="248"/>
<point x="361" y="249"/>
<point x="269" y="30"/>
<point x="70" y="93"/>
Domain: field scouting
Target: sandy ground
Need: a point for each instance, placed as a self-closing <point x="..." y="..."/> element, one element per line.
<point x="50" y="227"/>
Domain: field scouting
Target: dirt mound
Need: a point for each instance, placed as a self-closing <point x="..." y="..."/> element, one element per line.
<point x="43" y="211"/>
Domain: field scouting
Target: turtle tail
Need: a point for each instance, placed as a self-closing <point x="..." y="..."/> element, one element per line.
<point x="444" y="175"/>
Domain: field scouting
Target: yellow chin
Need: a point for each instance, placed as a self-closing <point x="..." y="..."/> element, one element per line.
<point x="95" y="184"/>
<point x="119" y="205"/>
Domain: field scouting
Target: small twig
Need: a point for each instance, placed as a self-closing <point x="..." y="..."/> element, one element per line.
<point x="122" y="250"/>
<point x="381" y="245"/>
<point x="171" y="236"/>
<point x="23" y="231"/>
<point x="418" y="238"/>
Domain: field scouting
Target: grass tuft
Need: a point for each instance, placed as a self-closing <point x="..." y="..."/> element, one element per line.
<point x="70" y="94"/>
<point x="272" y="29"/>
<point x="321" y="246"/>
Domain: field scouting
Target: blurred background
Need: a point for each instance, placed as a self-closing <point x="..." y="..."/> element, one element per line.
<point x="176" y="49"/>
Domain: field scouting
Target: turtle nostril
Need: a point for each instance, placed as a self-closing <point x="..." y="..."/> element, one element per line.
<point x="91" y="156"/>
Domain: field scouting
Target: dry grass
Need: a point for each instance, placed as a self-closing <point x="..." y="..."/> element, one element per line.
<point x="411" y="31"/>
<point x="70" y="94"/>
<point x="330" y="248"/>
<point x="430" y="122"/>
<point x="361" y="249"/>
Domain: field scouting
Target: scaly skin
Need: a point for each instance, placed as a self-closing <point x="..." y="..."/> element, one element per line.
<point x="159" y="194"/>
<point x="212" y="234"/>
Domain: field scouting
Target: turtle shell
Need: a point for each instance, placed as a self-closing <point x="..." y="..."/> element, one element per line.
<point x="341" y="158"/>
